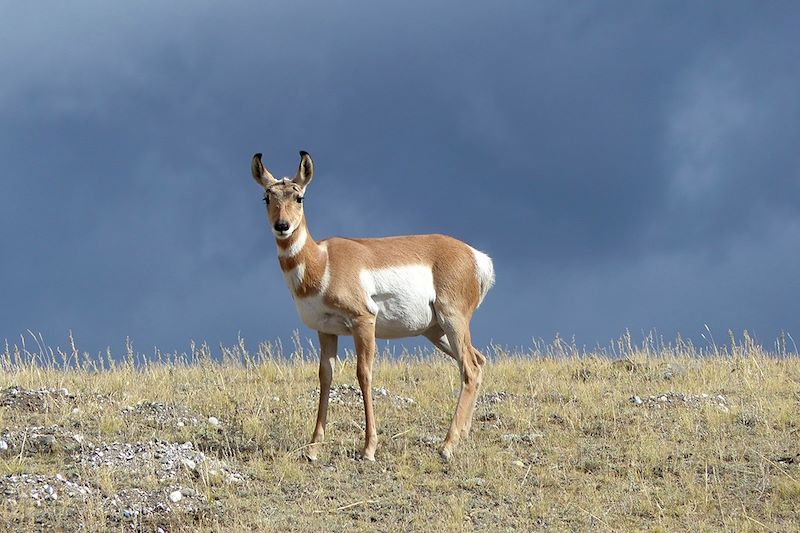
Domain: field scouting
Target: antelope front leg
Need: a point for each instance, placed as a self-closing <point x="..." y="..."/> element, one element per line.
<point x="364" y="339"/>
<point x="327" y="356"/>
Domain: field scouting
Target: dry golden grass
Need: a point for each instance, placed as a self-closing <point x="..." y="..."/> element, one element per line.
<point x="594" y="458"/>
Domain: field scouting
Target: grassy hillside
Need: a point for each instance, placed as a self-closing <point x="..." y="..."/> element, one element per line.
<point x="655" y="439"/>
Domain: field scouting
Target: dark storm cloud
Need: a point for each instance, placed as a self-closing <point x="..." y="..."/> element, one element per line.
<point x="627" y="165"/>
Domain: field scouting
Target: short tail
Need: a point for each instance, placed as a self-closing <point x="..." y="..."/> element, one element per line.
<point x="484" y="270"/>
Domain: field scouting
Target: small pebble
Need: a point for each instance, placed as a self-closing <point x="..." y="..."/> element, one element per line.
<point x="431" y="440"/>
<point x="213" y="420"/>
<point x="175" y="496"/>
<point x="3" y="445"/>
<point x="518" y="463"/>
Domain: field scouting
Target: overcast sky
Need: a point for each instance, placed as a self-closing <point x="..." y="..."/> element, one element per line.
<point x="626" y="164"/>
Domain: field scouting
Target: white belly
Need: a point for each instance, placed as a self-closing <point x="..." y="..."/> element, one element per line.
<point x="401" y="299"/>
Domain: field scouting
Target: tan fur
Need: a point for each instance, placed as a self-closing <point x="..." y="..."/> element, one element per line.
<point x="457" y="289"/>
<point x="451" y="261"/>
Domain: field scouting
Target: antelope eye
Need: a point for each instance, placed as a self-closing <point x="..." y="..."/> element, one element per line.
<point x="299" y="199"/>
<point x="266" y="200"/>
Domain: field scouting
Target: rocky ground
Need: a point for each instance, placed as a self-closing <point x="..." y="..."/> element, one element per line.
<point x="556" y="444"/>
<point x="172" y="467"/>
<point x="346" y="393"/>
<point x="168" y="463"/>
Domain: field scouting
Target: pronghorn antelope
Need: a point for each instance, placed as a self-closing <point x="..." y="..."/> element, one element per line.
<point x="377" y="288"/>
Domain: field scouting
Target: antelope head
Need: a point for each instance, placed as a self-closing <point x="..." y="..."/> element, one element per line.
<point x="284" y="197"/>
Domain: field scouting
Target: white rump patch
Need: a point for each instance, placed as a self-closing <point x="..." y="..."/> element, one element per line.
<point x="484" y="270"/>
<point x="401" y="299"/>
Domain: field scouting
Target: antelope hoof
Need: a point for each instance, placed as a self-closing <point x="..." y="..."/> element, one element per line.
<point x="311" y="454"/>
<point x="446" y="453"/>
<point x="365" y="455"/>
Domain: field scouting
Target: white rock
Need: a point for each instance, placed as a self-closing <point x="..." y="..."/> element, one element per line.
<point x="637" y="400"/>
<point x="175" y="496"/>
<point x="431" y="440"/>
<point x="188" y="463"/>
<point x="79" y="439"/>
<point x="213" y="420"/>
<point x="518" y="463"/>
<point x="3" y="445"/>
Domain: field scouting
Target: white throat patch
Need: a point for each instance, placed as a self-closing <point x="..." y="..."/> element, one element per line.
<point x="296" y="246"/>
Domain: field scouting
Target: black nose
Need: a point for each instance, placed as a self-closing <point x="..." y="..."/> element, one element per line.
<point x="281" y="226"/>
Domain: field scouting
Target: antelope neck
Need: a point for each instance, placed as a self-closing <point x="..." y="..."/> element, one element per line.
<point x="299" y="249"/>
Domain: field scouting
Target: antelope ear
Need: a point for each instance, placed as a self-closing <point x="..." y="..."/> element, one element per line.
<point x="305" y="171"/>
<point x="260" y="172"/>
